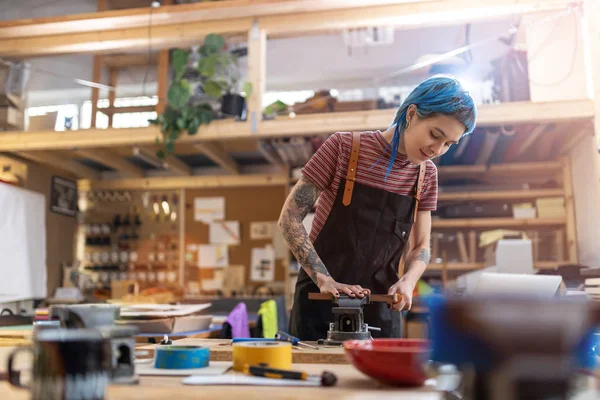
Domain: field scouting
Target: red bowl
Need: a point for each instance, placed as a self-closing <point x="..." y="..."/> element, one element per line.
<point x="392" y="361"/>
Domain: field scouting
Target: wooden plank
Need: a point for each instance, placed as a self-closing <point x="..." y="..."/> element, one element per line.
<point x="119" y="40"/>
<point x="532" y="138"/>
<point x="472" y="246"/>
<point x="573" y="139"/>
<point x="96" y="77"/>
<point x="112" y="160"/>
<point x="408" y="15"/>
<point x="130" y="60"/>
<point x="501" y="195"/>
<point x="221" y="350"/>
<point x="257" y="67"/>
<point x="96" y="31"/>
<point x="455" y="267"/>
<point x="302" y="125"/>
<point x="571" y="229"/>
<point x="113" y="77"/>
<point x="462" y="247"/>
<point x="173" y="164"/>
<point x="452" y="223"/>
<point x="518" y="168"/>
<point x="184" y="182"/>
<point x="218" y="156"/>
<point x="126" y="110"/>
<point x="74" y="167"/>
<point x="162" y="75"/>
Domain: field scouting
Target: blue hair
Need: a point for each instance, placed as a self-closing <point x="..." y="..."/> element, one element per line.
<point x="436" y="95"/>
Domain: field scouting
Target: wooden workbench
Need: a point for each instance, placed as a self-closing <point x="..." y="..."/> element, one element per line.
<point x="351" y="385"/>
<point x="221" y="350"/>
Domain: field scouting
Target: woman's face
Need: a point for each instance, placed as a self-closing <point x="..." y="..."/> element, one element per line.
<point x="427" y="138"/>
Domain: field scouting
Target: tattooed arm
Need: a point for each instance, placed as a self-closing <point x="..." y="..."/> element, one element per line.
<point x="298" y="204"/>
<point x="417" y="259"/>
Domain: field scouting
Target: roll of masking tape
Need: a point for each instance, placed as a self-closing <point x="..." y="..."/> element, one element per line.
<point x="272" y="354"/>
<point x="181" y="357"/>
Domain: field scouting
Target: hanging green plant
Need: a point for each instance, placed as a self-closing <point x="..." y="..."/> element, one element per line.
<point x="220" y="75"/>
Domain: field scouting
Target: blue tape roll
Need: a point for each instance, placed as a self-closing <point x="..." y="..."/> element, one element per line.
<point x="181" y="357"/>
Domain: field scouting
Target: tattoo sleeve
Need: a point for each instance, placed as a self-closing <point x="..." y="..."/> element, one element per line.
<point x="298" y="204"/>
<point x="424" y="255"/>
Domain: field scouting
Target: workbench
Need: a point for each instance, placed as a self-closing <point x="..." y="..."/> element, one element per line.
<point x="351" y="384"/>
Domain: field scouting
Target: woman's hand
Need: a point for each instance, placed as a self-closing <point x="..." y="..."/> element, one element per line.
<point x="405" y="289"/>
<point x="329" y="285"/>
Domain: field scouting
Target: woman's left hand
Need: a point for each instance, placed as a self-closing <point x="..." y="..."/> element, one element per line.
<point x="405" y="289"/>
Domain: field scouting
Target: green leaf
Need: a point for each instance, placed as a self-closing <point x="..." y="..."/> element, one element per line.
<point x="161" y="154"/>
<point x="181" y="123"/>
<point x="169" y="146"/>
<point x="179" y="93"/>
<point x="212" y="88"/>
<point x="214" y="42"/>
<point x="207" y="65"/>
<point x="193" y="126"/>
<point x="180" y="60"/>
<point x="247" y="88"/>
<point x="154" y="121"/>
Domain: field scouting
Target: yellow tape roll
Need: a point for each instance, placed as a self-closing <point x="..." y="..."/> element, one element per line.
<point x="273" y="354"/>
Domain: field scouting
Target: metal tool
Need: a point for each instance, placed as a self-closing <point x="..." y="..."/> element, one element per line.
<point x="348" y="316"/>
<point x="286" y="337"/>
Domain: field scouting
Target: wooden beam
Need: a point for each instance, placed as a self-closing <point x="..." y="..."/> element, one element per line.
<point x="130" y="60"/>
<point x="577" y="135"/>
<point x="532" y="138"/>
<point x="186" y="182"/>
<point x="182" y="25"/>
<point x="571" y="228"/>
<point x="519" y="168"/>
<point x="257" y="67"/>
<point x="162" y="75"/>
<point x="125" y="110"/>
<point x="453" y="223"/>
<point x="119" y="40"/>
<point x="218" y="156"/>
<point x="112" y="160"/>
<point x="96" y="77"/>
<point x="113" y="76"/>
<point x="174" y="164"/>
<point x="302" y="125"/>
<point x="48" y="158"/>
<point x="501" y="195"/>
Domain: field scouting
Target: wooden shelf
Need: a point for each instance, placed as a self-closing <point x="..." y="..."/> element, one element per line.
<point x="303" y="125"/>
<point x="479" y="265"/>
<point x="183" y="25"/>
<point x="495" y="223"/>
<point x="501" y="195"/>
<point x="508" y="169"/>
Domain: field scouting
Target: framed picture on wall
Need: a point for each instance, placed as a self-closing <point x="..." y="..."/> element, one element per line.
<point x="63" y="196"/>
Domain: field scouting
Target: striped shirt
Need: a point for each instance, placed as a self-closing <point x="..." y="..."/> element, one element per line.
<point x="328" y="166"/>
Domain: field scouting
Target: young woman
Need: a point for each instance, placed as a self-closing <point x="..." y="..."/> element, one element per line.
<point x="375" y="190"/>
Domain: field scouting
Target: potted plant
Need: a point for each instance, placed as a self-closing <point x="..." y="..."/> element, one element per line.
<point x="219" y="77"/>
<point x="221" y="73"/>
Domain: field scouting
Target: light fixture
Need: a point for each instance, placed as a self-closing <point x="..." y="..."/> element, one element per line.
<point x="148" y="158"/>
<point x="165" y="206"/>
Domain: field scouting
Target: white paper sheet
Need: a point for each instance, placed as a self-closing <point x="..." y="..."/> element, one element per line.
<point x="263" y="264"/>
<point x="225" y="232"/>
<point x="22" y="244"/>
<point x="161" y="310"/>
<point x="261" y="230"/>
<point x="213" y="256"/>
<point x="209" y="209"/>
<point x="213" y="369"/>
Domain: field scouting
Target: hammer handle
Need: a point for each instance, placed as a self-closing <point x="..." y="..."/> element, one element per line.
<point x="386" y="298"/>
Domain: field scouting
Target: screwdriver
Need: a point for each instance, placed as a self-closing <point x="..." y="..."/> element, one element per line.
<point x="285" y="337"/>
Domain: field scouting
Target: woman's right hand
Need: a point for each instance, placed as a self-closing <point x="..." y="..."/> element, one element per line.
<point x="329" y="285"/>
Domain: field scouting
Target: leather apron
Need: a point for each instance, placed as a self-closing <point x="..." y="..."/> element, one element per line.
<point x="361" y="243"/>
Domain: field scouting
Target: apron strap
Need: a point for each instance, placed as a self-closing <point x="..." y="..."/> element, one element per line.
<point x="351" y="173"/>
<point x="420" y="180"/>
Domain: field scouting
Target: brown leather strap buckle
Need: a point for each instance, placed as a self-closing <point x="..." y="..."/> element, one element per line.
<point x="351" y="173"/>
